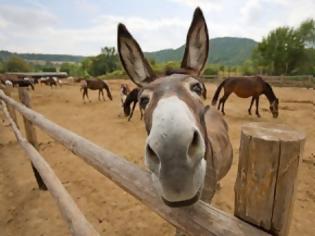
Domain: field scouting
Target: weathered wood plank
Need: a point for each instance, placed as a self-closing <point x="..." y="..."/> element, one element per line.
<point x="267" y="173"/>
<point x="78" y="224"/>
<point x="7" y="91"/>
<point x="291" y="152"/>
<point x="199" y="219"/>
<point x="31" y="134"/>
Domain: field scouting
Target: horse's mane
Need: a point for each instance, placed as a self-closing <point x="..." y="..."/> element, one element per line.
<point x="269" y="91"/>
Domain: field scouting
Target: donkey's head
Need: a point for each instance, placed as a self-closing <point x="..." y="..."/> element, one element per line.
<point x="176" y="146"/>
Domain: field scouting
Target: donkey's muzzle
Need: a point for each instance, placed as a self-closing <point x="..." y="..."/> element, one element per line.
<point x="184" y="203"/>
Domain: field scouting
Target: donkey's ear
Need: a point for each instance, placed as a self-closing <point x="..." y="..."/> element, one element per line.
<point x="197" y="44"/>
<point x="132" y="58"/>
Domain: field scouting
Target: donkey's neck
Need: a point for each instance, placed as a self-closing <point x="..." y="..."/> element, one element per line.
<point x="269" y="92"/>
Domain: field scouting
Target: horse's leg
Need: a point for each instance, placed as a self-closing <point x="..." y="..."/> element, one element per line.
<point x="99" y="95"/>
<point x="257" y="107"/>
<point x="133" y="108"/>
<point x="250" y="107"/>
<point x="87" y="94"/>
<point x="83" y="95"/>
<point x="103" y="94"/>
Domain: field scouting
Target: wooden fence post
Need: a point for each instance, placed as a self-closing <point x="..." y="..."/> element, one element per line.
<point x="31" y="134"/>
<point x="267" y="175"/>
<point x="7" y="91"/>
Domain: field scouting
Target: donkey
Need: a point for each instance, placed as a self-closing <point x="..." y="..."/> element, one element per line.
<point x="188" y="149"/>
<point x="245" y="87"/>
<point x="95" y="84"/>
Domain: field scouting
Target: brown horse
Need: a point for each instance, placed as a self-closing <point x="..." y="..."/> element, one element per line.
<point x="245" y="87"/>
<point x="188" y="148"/>
<point x="95" y="84"/>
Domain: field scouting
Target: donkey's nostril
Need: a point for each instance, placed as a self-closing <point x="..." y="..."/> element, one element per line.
<point x="151" y="154"/>
<point x="195" y="144"/>
<point x="195" y="139"/>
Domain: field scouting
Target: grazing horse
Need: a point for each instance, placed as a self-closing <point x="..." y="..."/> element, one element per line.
<point x="132" y="97"/>
<point x="95" y="84"/>
<point x="22" y="83"/>
<point x="49" y="82"/>
<point x="247" y="87"/>
<point x="188" y="149"/>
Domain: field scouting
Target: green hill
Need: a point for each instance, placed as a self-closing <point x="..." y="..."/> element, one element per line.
<point x="226" y="51"/>
<point x="42" y="57"/>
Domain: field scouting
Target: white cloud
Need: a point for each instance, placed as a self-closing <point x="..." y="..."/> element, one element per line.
<point x="251" y="11"/>
<point x="206" y="5"/>
<point x="25" y="18"/>
<point x="45" y="36"/>
<point x="37" y="29"/>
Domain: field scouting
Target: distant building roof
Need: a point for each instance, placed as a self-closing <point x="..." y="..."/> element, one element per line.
<point x="39" y="74"/>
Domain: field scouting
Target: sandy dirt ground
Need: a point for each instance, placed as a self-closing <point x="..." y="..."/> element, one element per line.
<point x="24" y="210"/>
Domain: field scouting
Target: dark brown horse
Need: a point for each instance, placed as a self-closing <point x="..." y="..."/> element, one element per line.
<point x="95" y="84"/>
<point x="22" y="83"/>
<point x="245" y="87"/>
<point x="132" y="97"/>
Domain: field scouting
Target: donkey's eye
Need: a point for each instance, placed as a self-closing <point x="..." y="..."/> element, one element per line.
<point x="144" y="102"/>
<point x="196" y="88"/>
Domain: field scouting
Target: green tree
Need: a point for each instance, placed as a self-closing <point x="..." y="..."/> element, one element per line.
<point x="73" y="69"/>
<point x="211" y="70"/>
<point x="106" y="62"/>
<point x="307" y="32"/>
<point x="247" y="68"/>
<point x="49" y="67"/>
<point x="286" y="50"/>
<point x="1" y="66"/>
<point x="17" y="64"/>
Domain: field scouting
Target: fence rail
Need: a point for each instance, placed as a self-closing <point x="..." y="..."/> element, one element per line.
<point x="305" y="81"/>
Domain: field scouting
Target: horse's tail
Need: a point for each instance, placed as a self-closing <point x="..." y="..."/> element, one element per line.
<point x="109" y="95"/>
<point x="217" y="93"/>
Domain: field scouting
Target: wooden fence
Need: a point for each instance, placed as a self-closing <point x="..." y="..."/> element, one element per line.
<point x="278" y="169"/>
<point x="303" y="81"/>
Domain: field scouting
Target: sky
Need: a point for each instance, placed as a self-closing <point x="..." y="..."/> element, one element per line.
<point x="83" y="27"/>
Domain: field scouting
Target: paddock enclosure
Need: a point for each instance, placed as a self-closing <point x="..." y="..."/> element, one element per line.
<point x="24" y="210"/>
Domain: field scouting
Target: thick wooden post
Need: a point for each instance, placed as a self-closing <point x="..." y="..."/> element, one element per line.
<point x="31" y="134"/>
<point x="7" y="91"/>
<point x="267" y="173"/>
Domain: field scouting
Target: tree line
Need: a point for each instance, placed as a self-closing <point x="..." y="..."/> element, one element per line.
<point x="284" y="51"/>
